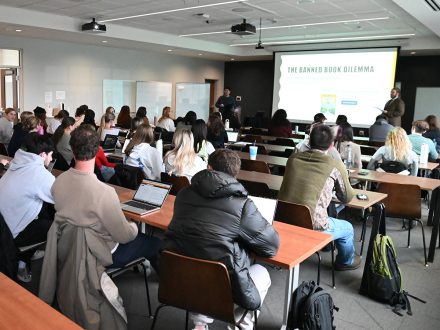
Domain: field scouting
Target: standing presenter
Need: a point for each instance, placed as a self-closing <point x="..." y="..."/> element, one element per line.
<point x="394" y="108"/>
<point x="226" y="104"/>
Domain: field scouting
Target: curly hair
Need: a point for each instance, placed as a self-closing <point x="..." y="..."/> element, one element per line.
<point x="400" y="145"/>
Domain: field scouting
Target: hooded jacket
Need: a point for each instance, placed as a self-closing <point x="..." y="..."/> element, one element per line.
<point x="23" y="189"/>
<point x="214" y="220"/>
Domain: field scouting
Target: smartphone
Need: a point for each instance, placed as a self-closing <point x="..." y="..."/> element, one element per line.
<point x="363" y="172"/>
<point x="362" y="197"/>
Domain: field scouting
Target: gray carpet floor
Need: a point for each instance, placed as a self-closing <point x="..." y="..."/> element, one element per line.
<point x="356" y="311"/>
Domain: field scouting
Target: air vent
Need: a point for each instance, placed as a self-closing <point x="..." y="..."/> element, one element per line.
<point x="434" y="4"/>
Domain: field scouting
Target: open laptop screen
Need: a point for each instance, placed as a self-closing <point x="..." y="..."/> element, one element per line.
<point x="152" y="192"/>
<point x="110" y="142"/>
<point x="232" y="136"/>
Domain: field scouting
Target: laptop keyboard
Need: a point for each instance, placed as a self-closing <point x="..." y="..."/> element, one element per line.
<point x="139" y="205"/>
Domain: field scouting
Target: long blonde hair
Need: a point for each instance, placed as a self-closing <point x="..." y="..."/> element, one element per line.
<point x="183" y="152"/>
<point x="398" y="141"/>
<point x="165" y="114"/>
<point x="105" y="119"/>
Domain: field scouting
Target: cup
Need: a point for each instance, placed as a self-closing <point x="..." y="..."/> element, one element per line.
<point x="296" y="129"/>
<point x="253" y="152"/>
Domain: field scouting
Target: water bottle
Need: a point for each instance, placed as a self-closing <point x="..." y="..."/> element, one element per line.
<point x="226" y="124"/>
<point x="424" y="151"/>
<point x="349" y="157"/>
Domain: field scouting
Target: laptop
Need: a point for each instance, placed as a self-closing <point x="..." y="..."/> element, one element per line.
<point x="109" y="143"/>
<point x="232" y="136"/>
<point x="149" y="197"/>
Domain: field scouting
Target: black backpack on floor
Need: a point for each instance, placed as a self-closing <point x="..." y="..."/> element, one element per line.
<point x="311" y="308"/>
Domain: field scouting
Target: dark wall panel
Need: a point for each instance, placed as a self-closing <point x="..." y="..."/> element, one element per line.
<point x="253" y="81"/>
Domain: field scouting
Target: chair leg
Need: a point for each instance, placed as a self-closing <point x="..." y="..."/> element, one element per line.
<point x="424" y="242"/>
<point x="156" y="314"/>
<point x="319" y="267"/>
<point x="333" y="264"/>
<point x="255" y="319"/>
<point x="364" y="228"/>
<point x="147" y="290"/>
<point x="186" y="320"/>
<point x="409" y="234"/>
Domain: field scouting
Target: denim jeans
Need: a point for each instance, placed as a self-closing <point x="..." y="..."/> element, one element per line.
<point x="342" y="232"/>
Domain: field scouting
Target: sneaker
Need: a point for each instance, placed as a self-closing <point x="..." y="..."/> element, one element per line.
<point x="147" y="266"/>
<point x="38" y="255"/>
<point x="24" y="275"/>
<point x="355" y="265"/>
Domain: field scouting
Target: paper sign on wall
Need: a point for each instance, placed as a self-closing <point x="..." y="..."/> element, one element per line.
<point x="60" y="95"/>
<point x="47" y="97"/>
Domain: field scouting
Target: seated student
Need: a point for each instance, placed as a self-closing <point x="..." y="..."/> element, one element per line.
<point x="216" y="131"/>
<point x="89" y="118"/>
<point x="187" y="122"/>
<point x="345" y="145"/>
<point x="139" y="153"/>
<point x="55" y="122"/>
<point x="279" y="125"/>
<point x="24" y="194"/>
<point x="341" y="119"/>
<point x="82" y="201"/>
<point x="40" y="113"/>
<point x="165" y="121"/>
<point x="107" y="126"/>
<point x="135" y="123"/>
<point x="319" y="118"/>
<point x="61" y="139"/>
<point x="182" y="160"/>
<point x="379" y="130"/>
<point x="310" y="179"/>
<point x="7" y="125"/>
<point x="107" y="169"/>
<point x="202" y="147"/>
<point x="21" y="129"/>
<point x="305" y="146"/>
<point x="142" y="113"/>
<point x="433" y="132"/>
<point x="418" y="128"/>
<point x="214" y="220"/>
<point x="397" y="148"/>
<point x="124" y="118"/>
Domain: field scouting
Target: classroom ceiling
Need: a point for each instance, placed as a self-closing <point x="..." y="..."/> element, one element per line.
<point x="201" y="27"/>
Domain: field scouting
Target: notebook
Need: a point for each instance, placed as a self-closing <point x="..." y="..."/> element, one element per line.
<point x="109" y="143"/>
<point x="265" y="206"/>
<point x="232" y="136"/>
<point x="149" y="197"/>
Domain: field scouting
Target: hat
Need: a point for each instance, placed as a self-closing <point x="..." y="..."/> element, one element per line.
<point x="319" y="117"/>
<point x="39" y="111"/>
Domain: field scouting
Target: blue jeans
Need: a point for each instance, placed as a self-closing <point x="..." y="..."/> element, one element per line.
<point x="141" y="246"/>
<point x="342" y="232"/>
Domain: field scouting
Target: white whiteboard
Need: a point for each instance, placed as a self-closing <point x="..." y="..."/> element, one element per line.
<point x="192" y="97"/>
<point x="154" y="95"/>
<point x="427" y="102"/>
<point x="116" y="93"/>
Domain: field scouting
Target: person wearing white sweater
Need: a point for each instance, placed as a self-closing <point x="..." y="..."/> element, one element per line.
<point x="165" y="120"/>
<point x="139" y="153"/>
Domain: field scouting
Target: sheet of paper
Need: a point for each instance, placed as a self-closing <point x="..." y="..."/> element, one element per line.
<point x="60" y="95"/>
<point x="48" y="96"/>
<point x="266" y="207"/>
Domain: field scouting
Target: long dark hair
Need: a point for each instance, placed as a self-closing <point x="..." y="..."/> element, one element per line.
<point x="124" y="119"/>
<point x="345" y="134"/>
<point x="216" y="126"/>
<point x="200" y="131"/>
<point x="58" y="134"/>
<point x="141" y="112"/>
<point x="279" y="118"/>
<point x="190" y="118"/>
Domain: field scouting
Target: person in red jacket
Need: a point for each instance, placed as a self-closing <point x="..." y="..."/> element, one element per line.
<point x="279" y="125"/>
<point x="106" y="168"/>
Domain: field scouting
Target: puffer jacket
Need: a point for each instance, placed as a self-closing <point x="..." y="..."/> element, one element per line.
<point x="214" y="220"/>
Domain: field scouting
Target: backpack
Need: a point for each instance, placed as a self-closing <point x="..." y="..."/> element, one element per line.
<point x="385" y="278"/>
<point x="311" y="308"/>
<point x="392" y="166"/>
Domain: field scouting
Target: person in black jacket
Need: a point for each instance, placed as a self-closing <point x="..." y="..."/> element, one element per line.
<point x="214" y="220"/>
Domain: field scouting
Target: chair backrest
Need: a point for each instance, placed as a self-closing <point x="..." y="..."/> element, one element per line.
<point x="294" y="214"/>
<point x="284" y="142"/>
<point x="196" y="285"/>
<point x="376" y="143"/>
<point x="126" y="176"/>
<point x="252" y="138"/>
<point x="178" y="182"/>
<point x="261" y="149"/>
<point x="3" y="150"/>
<point x="256" y="131"/>
<point x="8" y="251"/>
<point x="61" y="164"/>
<point x="367" y="150"/>
<point x="255" y="166"/>
<point x="259" y="189"/>
<point x="403" y="200"/>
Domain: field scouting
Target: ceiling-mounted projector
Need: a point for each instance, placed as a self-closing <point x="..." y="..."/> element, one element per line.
<point x="93" y="27"/>
<point x="243" y="29"/>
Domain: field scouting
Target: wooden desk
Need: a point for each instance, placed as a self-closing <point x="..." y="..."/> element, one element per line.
<point x="296" y="244"/>
<point x="269" y="147"/>
<point x="424" y="183"/>
<point x="270" y="160"/>
<point x="273" y="181"/>
<point x="21" y="310"/>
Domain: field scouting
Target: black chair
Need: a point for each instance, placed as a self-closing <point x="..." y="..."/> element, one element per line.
<point x="61" y="164"/>
<point x="177" y="182"/>
<point x="259" y="189"/>
<point x="127" y="176"/>
<point x="3" y="150"/>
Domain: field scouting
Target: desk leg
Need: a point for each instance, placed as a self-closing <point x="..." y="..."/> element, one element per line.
<point x="434" y="219"/>
<point x="291" y="285"/>
<point x="377" y="228"/>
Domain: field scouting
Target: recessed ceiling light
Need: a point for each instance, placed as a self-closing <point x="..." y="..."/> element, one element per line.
<point x="18" y="30"/>
<point x="412" y="53"/>
<point x="200" y="54"/>
<point x="232" y="59"/>
<point x="104" y="41"/>
<point x="170" y="50"/>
